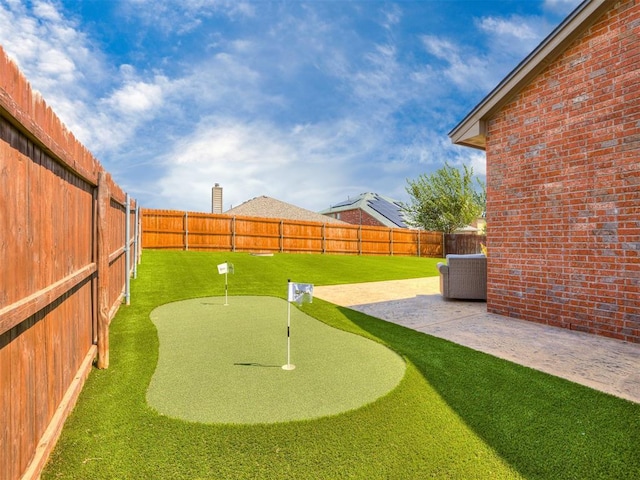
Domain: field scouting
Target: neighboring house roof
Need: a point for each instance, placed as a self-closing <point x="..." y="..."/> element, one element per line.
<point x="384" y="209"/>
<point x="267" y="207"/>
<point x="471" y="131"/>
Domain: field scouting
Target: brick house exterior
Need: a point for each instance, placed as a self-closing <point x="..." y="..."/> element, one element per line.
<point x="371" y="209"/>
<point x="562" y="140"/>
<point x="358" y="216"/>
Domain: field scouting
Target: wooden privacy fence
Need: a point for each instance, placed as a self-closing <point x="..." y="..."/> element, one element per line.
<point x="68" y="246"/>
<point x="463" y="243"/>
<point x="171" y="229"/>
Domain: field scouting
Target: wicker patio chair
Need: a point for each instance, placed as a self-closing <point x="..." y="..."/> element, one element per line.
<point x="464" y="277"/>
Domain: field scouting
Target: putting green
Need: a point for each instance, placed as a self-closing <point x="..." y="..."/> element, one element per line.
<point x="223" y="364"/>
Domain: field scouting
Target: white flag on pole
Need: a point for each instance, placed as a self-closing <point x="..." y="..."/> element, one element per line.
<point x="300" y="293"/>
<point x="222" y="268"/>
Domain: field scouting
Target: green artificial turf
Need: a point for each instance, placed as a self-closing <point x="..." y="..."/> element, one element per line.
<point x="222" y="363"/>
<point x="457" y="413"/>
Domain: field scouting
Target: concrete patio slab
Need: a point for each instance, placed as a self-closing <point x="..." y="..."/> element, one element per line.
<point x="605" y="364"/>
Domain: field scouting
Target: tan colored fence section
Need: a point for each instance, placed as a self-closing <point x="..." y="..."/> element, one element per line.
<point x="63" y="270"/>
<point x="172" y="229"/>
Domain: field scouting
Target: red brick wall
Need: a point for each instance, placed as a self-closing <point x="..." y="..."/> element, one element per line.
<point x="563" y="186"/>
<point x="359" y="217"/>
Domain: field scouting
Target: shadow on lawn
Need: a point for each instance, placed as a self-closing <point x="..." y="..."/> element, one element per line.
<point x="254" y="364"/>
<point x="543" y="426"/>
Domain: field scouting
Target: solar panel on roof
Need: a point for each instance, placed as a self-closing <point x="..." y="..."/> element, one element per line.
<point x="388" y="210"/>
<point x="345" y="203"/>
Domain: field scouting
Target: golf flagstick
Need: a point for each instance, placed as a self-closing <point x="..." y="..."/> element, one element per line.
<point x="226" y="287"/>
<point x="299" y="293"/>
<point x="224" y="268"/>
<point x="288" y="366"/>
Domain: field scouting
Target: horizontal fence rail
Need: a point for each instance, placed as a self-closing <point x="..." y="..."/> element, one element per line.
<point x="68" y="239"/>
<point x="179" y="230"/>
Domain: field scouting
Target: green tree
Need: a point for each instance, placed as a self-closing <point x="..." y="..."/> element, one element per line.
<point x="445" y="200"/>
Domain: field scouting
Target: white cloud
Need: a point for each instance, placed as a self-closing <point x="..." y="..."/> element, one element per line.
<point x="478" y="161"/>
<point x="514" y="27"/>
<point x="438" y="149"/>
<point x="227" y="7"/>
<point x="46" y="11"/>
<point x="56" y="57"/>
<point x="479" y="67"/>
<point x="135" y="98"/>
<point x="184" y="16"/>
<point x="58" y="64"/>
<point x="391" y="17"/>
<point x="515" y="36"/>
<point x="310" y="165"/>
<point x="377" y="79"/>
<point x="440" y="47"/>
<point x="225" y="77"/>
<point x="50" y="49"/>
<point x="259" y="158"/>
<point x="465" y="69"/>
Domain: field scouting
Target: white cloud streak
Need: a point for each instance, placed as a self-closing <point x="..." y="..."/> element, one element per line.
<point x="515" y="28"/>
<point x="185" y="16"/>
<point x="467" y="71"/>
<point x="306" y="163"/>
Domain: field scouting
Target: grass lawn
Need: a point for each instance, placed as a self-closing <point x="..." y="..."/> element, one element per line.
<point x="456" y="413"/>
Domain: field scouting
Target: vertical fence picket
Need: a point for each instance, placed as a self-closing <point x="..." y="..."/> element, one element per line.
<point x="103" y="271"/>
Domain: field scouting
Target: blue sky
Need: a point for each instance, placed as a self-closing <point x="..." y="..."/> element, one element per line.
<point x="306" y="102"/>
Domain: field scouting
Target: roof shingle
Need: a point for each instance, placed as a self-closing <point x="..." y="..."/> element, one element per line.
<point x="267" y="207"/>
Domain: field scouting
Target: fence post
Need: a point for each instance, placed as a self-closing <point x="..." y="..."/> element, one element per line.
<point x="281" y="236"/>
<point x="186" y="231"/>
<point x="418" y="235"/>
<point x="233" y="234"/>
<point x="391" y="242"/>
<point x="360" y="240"/>
<point x="136" y="240"/>
<point x="139" y="260"/>
<point x="104" y="197"/>
<point x="127" y="251"/>
<point x="324" y="238"/>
